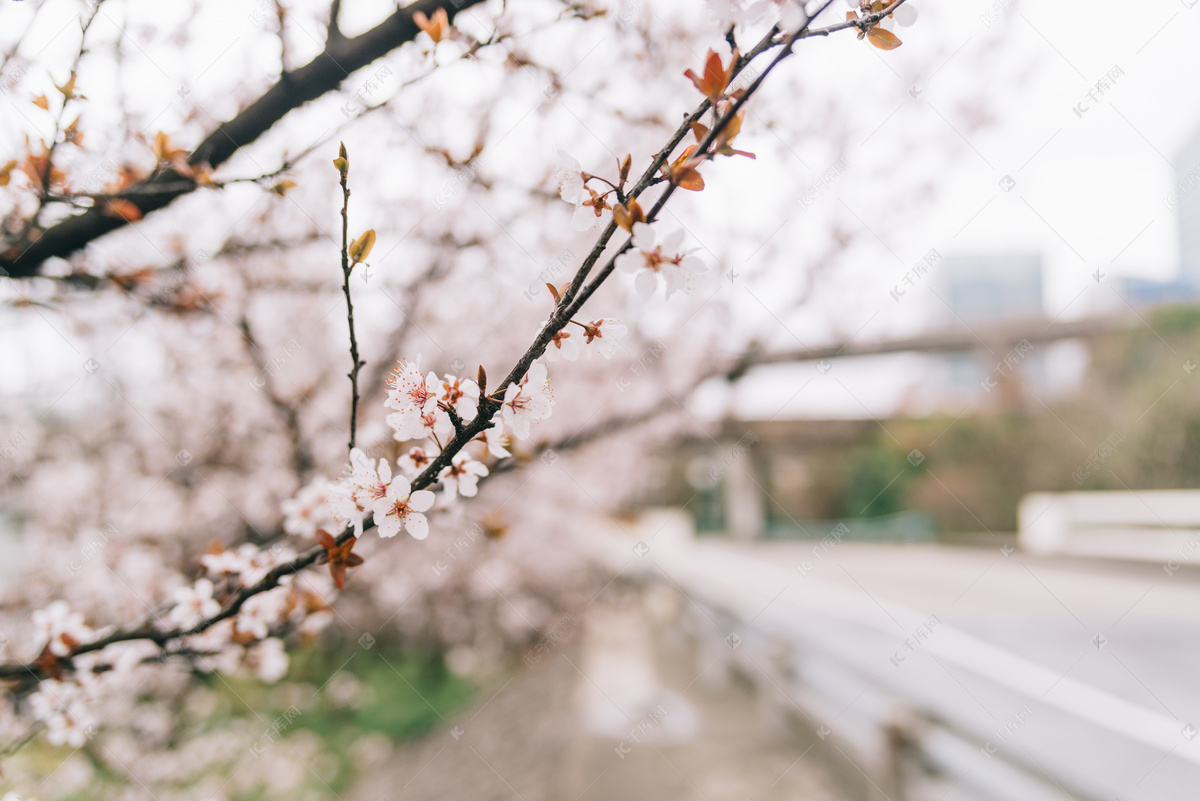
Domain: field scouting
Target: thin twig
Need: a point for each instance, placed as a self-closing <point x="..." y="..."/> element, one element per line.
<point x="355" y="362"/>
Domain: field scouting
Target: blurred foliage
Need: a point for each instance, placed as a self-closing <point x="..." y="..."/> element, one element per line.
<point x="1141" y="392"/>
<point x="880" y="475"/>
<point x="401" y="696"/>
<point x="345" y="695"/>
<point x="338" y="712"/>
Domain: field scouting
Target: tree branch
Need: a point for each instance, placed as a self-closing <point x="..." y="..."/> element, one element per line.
<point x="23" y="258"/>
<point x="355" y="363"/>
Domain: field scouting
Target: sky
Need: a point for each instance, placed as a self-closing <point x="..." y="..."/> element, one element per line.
<point x="1037" y="128"/>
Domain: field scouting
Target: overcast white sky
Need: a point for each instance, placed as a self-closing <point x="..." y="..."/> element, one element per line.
<point x="1087" y="190"/>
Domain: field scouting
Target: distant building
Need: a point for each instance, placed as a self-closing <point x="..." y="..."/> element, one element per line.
<point x="1185" y="196"/>
<point x="992" y="287"/>
<point x="989" y="289"/>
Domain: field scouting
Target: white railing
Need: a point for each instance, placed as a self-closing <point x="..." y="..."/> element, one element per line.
<point x="1144" y="525"/>
<point x="813" y="650"/>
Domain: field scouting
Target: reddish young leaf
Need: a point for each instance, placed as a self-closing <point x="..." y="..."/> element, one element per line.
<point x="339" y="557"/>
<point x="119" y="207"/>
<point x="716" y="77"/>
<point x="883" y="39"/>
<point x="437" y="28"/>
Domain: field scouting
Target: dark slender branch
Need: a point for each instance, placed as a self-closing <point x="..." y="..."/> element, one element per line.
<point x="48" y="171"/>
<point x="355" y="363"/>
<point x="456" y="421"/>
<point x="333" y="31"/>
<point x="323" y="74"/>
<point x="302" y="460"/>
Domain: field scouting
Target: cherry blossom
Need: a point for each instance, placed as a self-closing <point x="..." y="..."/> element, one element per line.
<point x="590" y="209"/>
<point x="650" y="258"/>
<point x="600" y="337"/>
<point x="193" y="604"/>
<point x="462" y="476"/>
<point x="309" y="509"/>
<point x="415" y="400"/>
<point x="738" y="12"/>
<point x="63" y="707"/>
<point x="528" y="402"/>
<point x="495" y="439"/>
<point x="435" y="423"/>
<point x="368" y="483"/>
<point x="415" y="461"/>
<point x="344" y="509"/>
<point x="461" y="395"/>
<point x="791" y="15"/>
<point x="262" y="612"/>
<point x="562" y="346"/>
<point x="60" y="629"/>
<point x="247" y="562"/>
<point x="268" y="659"/>
<point x="570" y="177"/>
<point x="402" y="508"/>
<point x="409" y="392"/>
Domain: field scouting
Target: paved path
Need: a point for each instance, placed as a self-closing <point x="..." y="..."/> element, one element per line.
<point x="553" y="732"/>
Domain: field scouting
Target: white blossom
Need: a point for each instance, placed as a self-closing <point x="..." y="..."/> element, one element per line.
<point x="63" y="707"/>
<point x="60" y="629"/>
<point x="462" y="476"/>
<point x="495" y="439"/>
<point x="309" y="510"/>
<point x="649" y="259"/>
<point x="193" y="604"/>
<point x="415" y="461"/>
<point x="600" y="337"/>
<point x="562" y="346"/>
<point x="528" y="402"/>
<point x="460" y="394"/>
<point x="402" y="508"/>
<point x="268" y="659"/>
<point x="260" y="613"/>
<point x="569" y="177"/>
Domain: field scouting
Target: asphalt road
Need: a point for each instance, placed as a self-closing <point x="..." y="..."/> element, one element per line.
<point x="1112" y="640"/>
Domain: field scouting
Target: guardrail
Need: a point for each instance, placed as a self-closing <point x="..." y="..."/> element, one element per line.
<point x="811" y="651"/>
<point x="1143" y="525"/>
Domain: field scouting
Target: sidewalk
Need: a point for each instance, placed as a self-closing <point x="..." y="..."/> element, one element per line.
<point x="620" y="712"/>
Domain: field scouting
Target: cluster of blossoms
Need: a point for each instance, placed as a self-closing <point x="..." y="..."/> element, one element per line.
<point x="65" y="701"/>
<point x="427" y="409"/>
<point x="654" y="256"/>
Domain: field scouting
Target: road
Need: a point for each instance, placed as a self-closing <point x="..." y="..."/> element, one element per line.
<point x="953" y="630"/>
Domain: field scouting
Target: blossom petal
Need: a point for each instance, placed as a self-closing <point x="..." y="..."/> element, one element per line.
<point x="643" y="236"/>
<point x="645" y="284"/>
<point x="421" y="500"/>
<point x="584" y="219"/>
<point x="389" y="526"/>
<point x="399" y="488"/>
<point x="417" y="525"/>
<point x="631" y="261"/>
